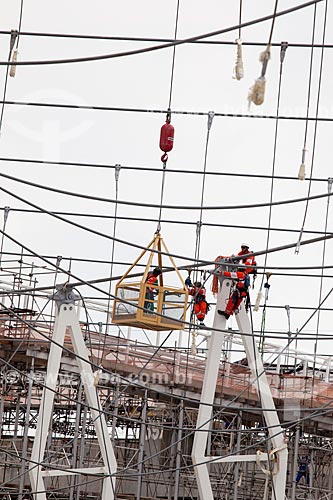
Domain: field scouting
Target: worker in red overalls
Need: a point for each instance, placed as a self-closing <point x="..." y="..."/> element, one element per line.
<point x="198" y="292"/>
<point x="241" y="290"/>
<point x="150" y="291"/>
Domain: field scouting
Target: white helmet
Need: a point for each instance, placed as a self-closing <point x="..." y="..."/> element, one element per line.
<point x="245" y="245"/>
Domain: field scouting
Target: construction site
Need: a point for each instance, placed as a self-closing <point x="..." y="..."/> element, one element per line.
<point x="146" y="350"/>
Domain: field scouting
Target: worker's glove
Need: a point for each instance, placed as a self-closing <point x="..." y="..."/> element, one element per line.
<point x="188" y="282"/>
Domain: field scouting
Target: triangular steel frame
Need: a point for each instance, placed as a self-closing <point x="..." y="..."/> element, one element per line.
<point x="279" y="453"/>
<point x="67" y="319"/>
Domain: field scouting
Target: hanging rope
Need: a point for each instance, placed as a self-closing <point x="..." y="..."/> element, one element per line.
<point x="239" y="66"/>
<point x="257" y="91"/>
<point x="297" y="248"/>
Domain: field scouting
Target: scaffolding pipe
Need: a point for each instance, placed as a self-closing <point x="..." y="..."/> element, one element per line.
<point x="141" y="446"/>
<point x="236" y="469"/>
<point x="25" y="432"/>
<point x="179" y="450"/>
<point x="295" y="463"/>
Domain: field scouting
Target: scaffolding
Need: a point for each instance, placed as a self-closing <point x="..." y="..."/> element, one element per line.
<point x="149" y="399"/>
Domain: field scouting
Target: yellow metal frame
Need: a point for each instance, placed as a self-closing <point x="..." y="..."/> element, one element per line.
<point x="153" y="319"/>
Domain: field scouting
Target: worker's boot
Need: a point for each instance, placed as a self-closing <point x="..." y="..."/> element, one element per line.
<point x="223" y="313"/>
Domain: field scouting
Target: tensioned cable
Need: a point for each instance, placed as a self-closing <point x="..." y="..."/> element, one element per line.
<point x="199" y="223"/>
<point x="167" y="45"/>
<point x="315" y="126"/>
<point x="134" y="382"/>
<point x="161" y="111"/>
<point x="283" y="349"/>
<point x="240" y="19"/>
<point x="116" y="174"/>
<point x="164" y="157"/>
<point x="211" y="460"/>
<point x="155" y="39"/>
<point x="11" y="47"/>
<point x="273" y="22"/>
<point x="14" y="38"/>
<point x="276" y="358"/>
<point x="321" y="283"/>
<point x="222" y="410"/>
<point x="263" y="319"/>
<point x="5" y="218"/>
<point x="173" y="56"/>
<point x="92" y="283"/>
<point x="135" y="245"/>
<point x="309" y="82"/>
<point x="282" y="56"/>
<point x="167" y="221"/>
<point x="128" y="264"/>
<point x="152" y="169"/>
<point x="171" y="207"/>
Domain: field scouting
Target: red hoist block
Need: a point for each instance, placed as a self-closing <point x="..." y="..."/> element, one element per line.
<point x="166" y="137"/>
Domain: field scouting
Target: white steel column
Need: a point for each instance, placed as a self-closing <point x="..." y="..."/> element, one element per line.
<point x="67" y="318"/>
<point x="215" y="345"/>
<point x="259" y="380"/>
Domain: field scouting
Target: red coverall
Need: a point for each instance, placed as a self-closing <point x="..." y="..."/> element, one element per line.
<point x="240" y="291"/>
<point x="150" y="295"/>
<point x="200" y="304"/>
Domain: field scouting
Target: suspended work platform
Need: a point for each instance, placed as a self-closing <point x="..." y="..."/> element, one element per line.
<point x="154" y="306"/>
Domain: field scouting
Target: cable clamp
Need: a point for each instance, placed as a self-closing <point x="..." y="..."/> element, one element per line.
<point x="284" y="46"/>
<point x="199" y="225"/>
<point x="264" y="58"/>
<point x="297" y="247"/>
<point x="117" y="171"/>
<point x="211" y="115"/>
<point x="330" y="182"/>
<point x="13" y="36"/>
<point x="6" y="213"/>
<point x="303" y="154"/>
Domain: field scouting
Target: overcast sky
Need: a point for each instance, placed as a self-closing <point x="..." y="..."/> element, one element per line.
<point x="202" y="82"/>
